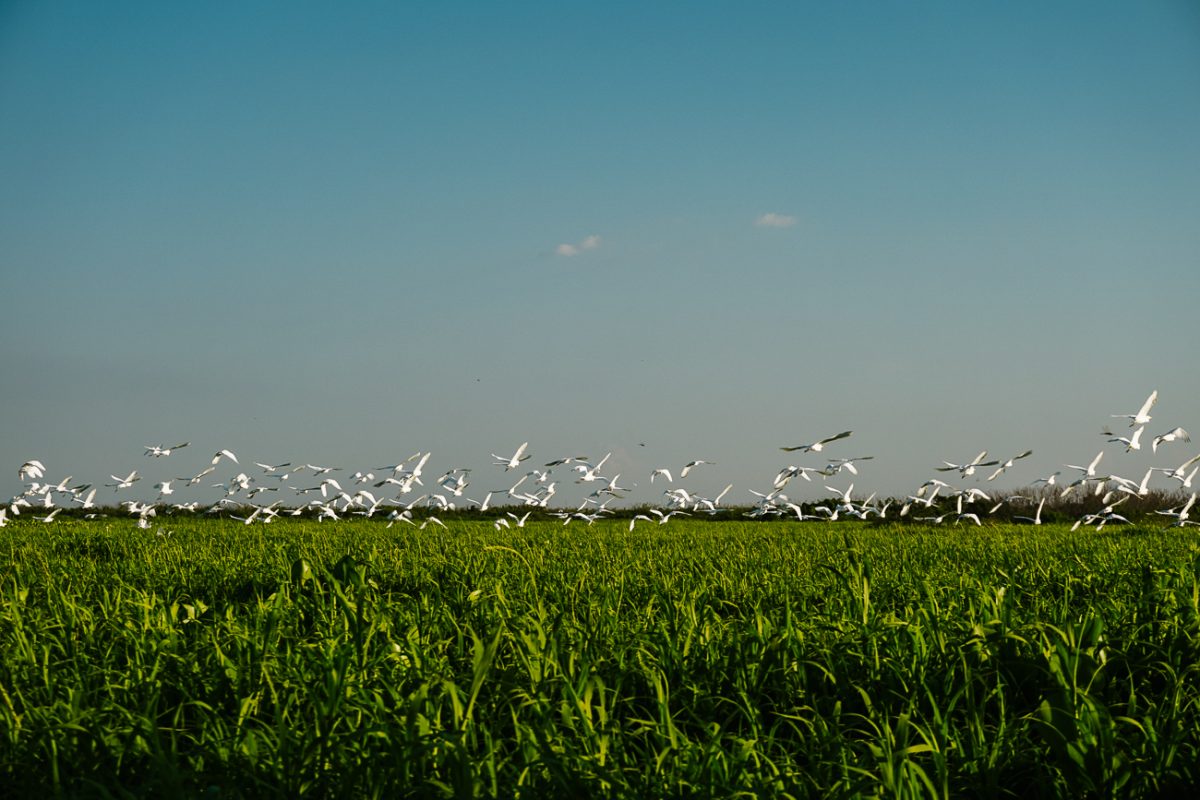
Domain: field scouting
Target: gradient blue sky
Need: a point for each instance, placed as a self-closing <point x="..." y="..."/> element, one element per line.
<point x="334" y="233"/>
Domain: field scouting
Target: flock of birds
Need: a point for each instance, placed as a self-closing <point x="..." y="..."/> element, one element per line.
<point x="393" y="492"/>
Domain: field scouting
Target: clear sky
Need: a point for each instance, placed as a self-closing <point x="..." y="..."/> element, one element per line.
<point x="345" y="233"/>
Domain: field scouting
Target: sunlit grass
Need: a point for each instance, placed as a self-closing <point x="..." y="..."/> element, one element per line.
<point x="692" y="659"/>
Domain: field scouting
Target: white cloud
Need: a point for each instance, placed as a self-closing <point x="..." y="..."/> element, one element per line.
<point x="588" y="243"/>
<point x="773" y="220"/>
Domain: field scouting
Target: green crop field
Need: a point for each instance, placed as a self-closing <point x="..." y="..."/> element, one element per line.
<point x="695" y="659"/>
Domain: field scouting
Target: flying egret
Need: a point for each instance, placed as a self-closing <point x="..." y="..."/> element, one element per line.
<point x="1036" y="519"/>
<point x="1090" y="470"/>
<point x="965" y="470"/>
<point x="1181" y="514"/>
<point x="837" y="465"/>
<point x="1143" y="414"/>
<point x="32" y="469"/>
<point x="791" y="471"/>
<point x="157" y="450"/>
<point x="513" y="461"/>
<point x="590" y="472"/>
<point x="818" y="446"/>
<point x="124" y="483"/>
<point x="1008" y="464"/>
<point x="1176" y="434"/>
<point x="688" y="466"/>
<point x="1133" y="442"/>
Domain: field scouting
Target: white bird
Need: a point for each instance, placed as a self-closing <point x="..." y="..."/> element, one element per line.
<point x="589" y="472"/>
<point x="157" y="450"/>
<point x="404" y="515"/>
<point x="32" y="469"/>
<point x="710" y="506"/>
<point x="1036" y="519"/>
<point x="1090" y="470"/>
<point x="791" y="471"/>
<point x="1186" y="481"/>
<point x="817" y="447"/>
<point x="613" y="489"/>
<point x="1179" y="472"/>
<point x="666" y="473"/>
<point x="558" y="462"/>
<point x="1133" y="442"/>
<point x="837" y="465"/>
<point x="1143" y="414"/>
<point x="1102" y="517"/>
<point x="224" y="454"/>
<point x="124" y="483"/>
<point x="1176" y="434"/>
<point x="688" y="466"/>
<point x="1048" y="480"/>
<point x="664" y="516"/>
<point x="192" y="481"/>
<point x="1181" y="514"/>
<point x="1008" y="464"/>
<point x="845" y="495"/>
<point x="513" y="461"/>
<point x="635" y="519"/>
<point x="1130" y="487"/>
<point x="969" y="468"/>
<point x="87" y="500"/>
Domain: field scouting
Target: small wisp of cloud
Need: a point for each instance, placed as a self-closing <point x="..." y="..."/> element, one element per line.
<point x="588" y="243"/>
<point x="773" y="220"/>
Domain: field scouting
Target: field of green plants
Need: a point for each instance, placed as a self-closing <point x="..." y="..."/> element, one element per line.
<point x="695" y="659"/>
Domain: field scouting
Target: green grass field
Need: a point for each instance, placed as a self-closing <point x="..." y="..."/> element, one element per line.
<point x="693" y="659"/>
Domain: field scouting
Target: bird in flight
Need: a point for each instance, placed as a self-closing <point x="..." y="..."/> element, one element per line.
<point x="688" y="466"/>
<point x="1143" y="414"/>
<point x="32" y="469"/>
<point x="1036" y="519"/>
<point x="1090" y="470"/>
<point x="1131" y="442"/>
<point x="817" y="447"/>
<point x="1008" y="464"/>
<point x="126" y="482"/>
<point x="1176" y="434"/>
<point x="157" y="450"/>
<point x="513" y="461"/>
<point x="969" y="468"/>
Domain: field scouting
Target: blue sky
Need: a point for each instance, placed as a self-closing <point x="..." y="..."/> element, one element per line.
<point x="345" y="235"/>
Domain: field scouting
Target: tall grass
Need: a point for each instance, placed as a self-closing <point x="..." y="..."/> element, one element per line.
<point x="695" y="659"/>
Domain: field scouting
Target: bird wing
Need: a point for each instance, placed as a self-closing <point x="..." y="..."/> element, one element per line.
<point x="1150" y="401"/>
<point x="835" y="437"/>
